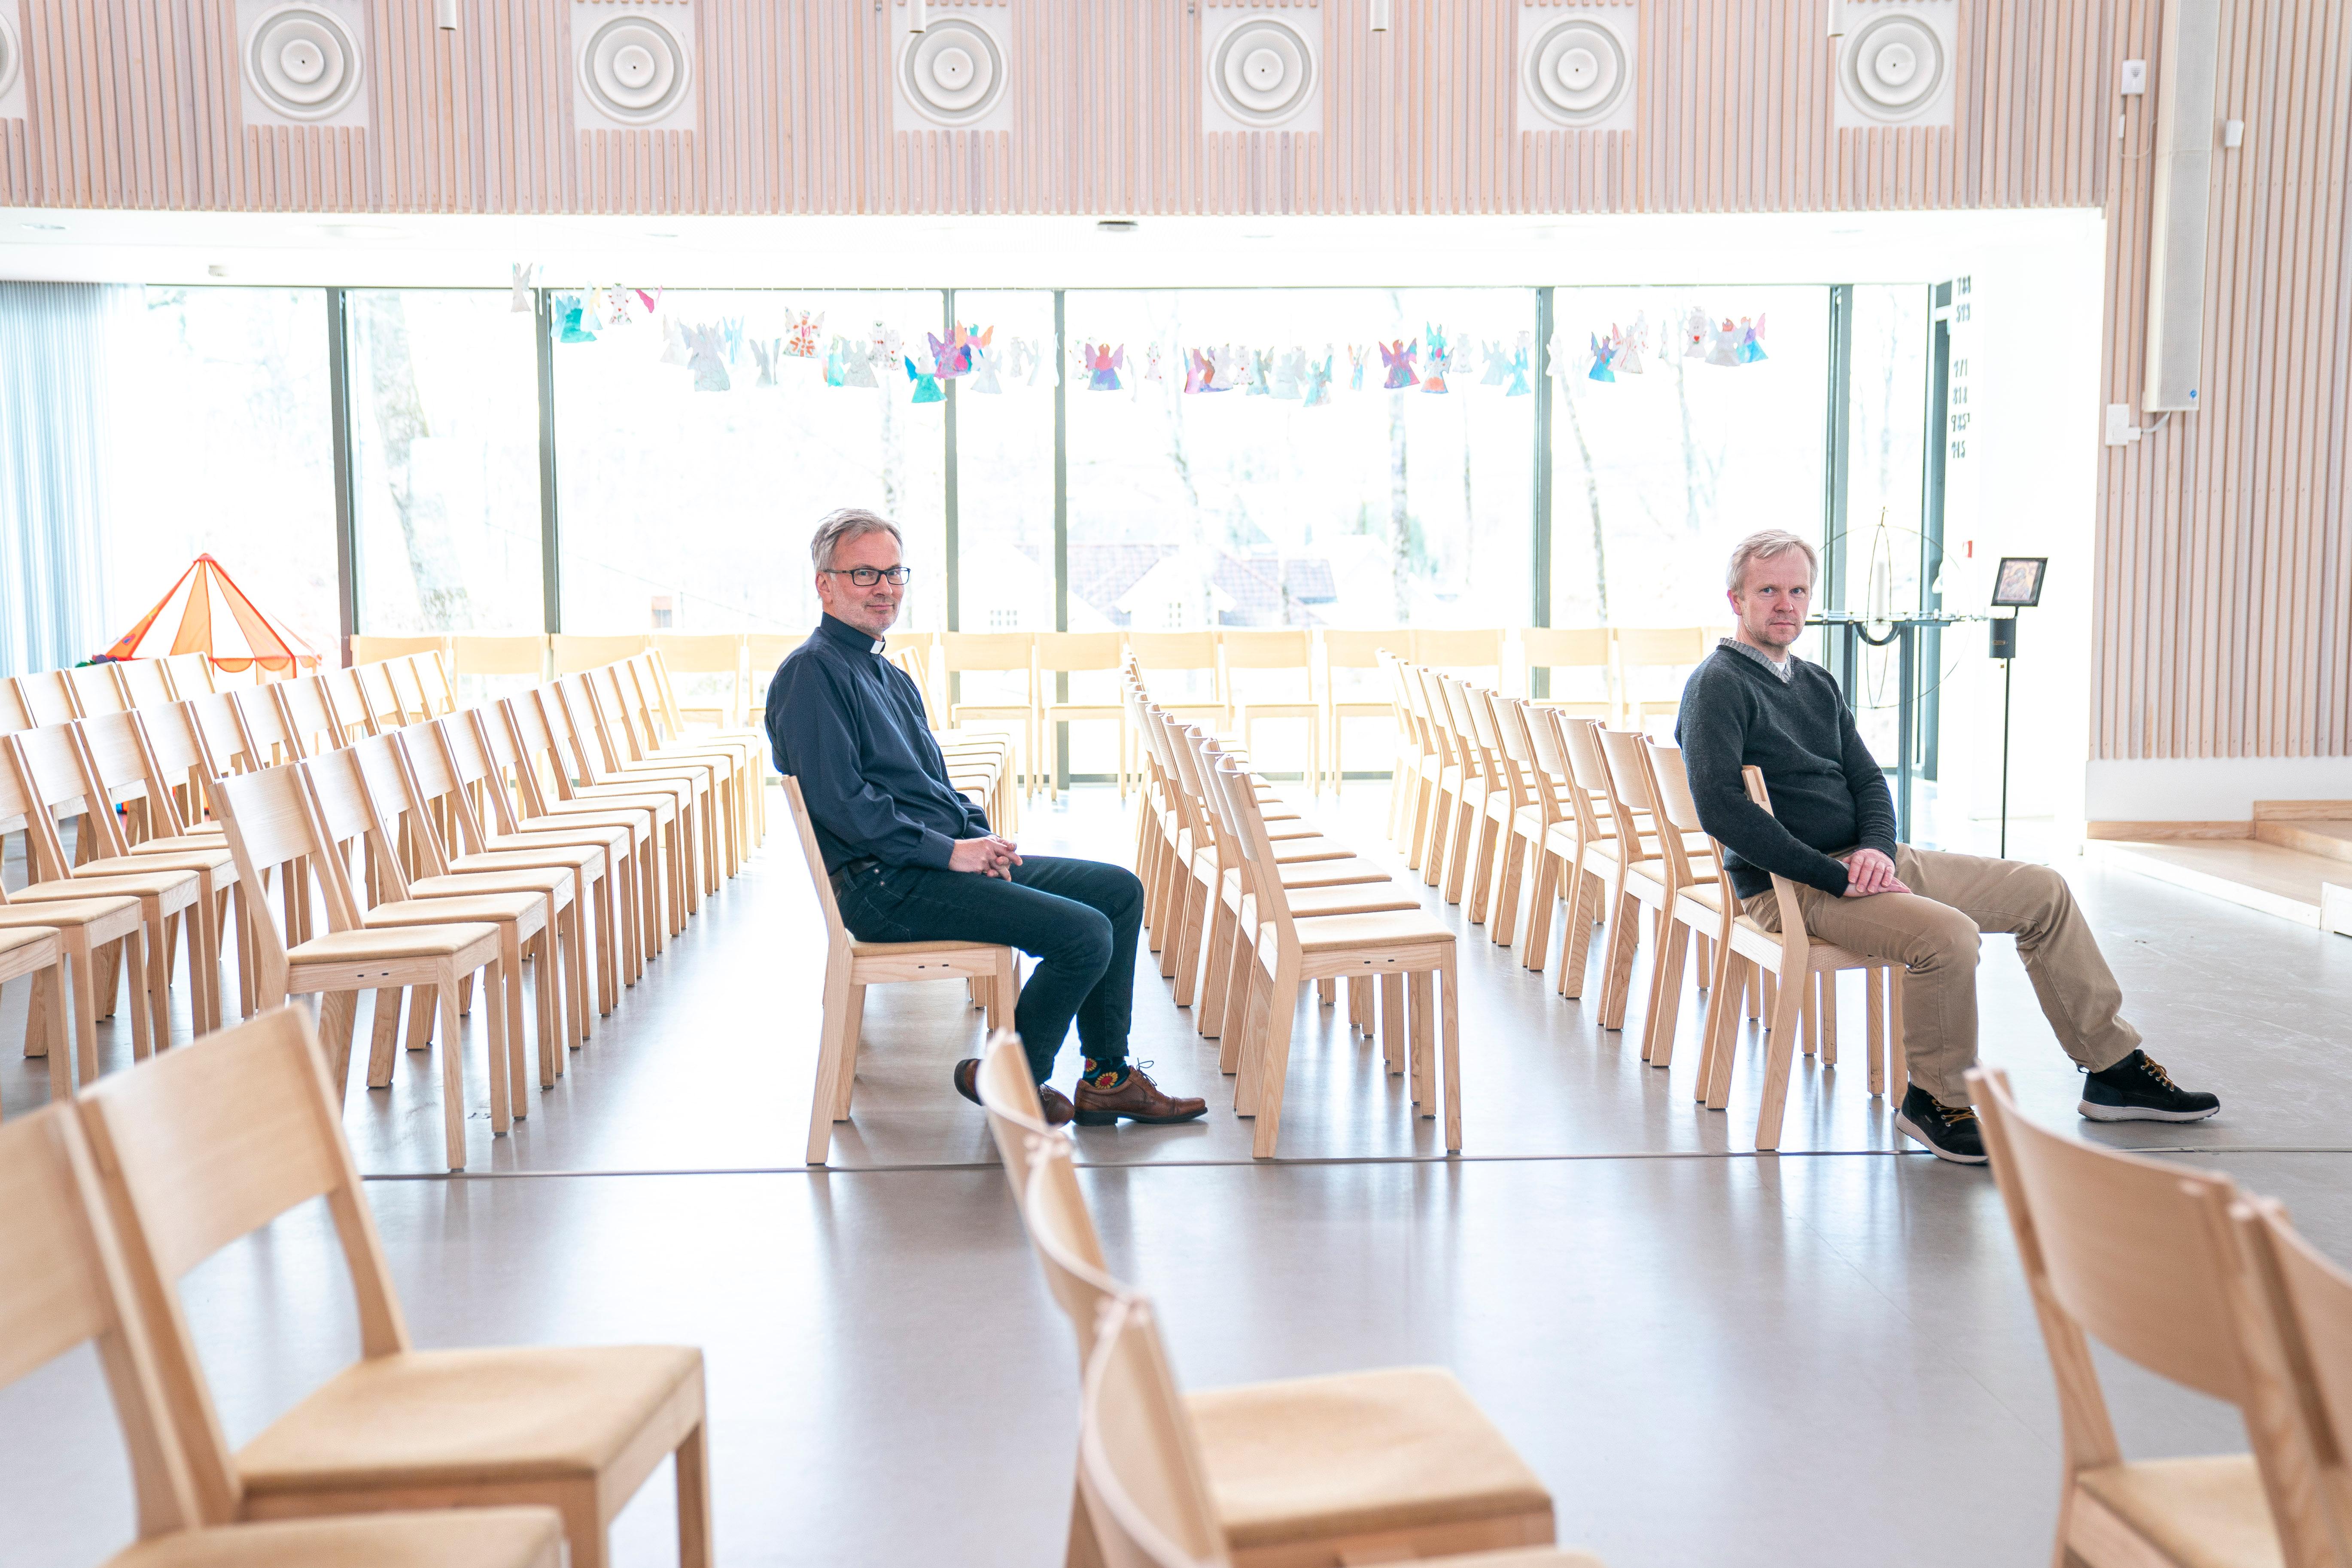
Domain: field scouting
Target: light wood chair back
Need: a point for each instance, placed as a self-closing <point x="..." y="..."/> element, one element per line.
<point x="573" y="653"/>
<point x="1173" y="660"/>
<point x="201" y="1147"/>
<point x="503" y="654"/>
<point x="184" y="759"/>
<point x="1141" y="1473"/>
<point x="2310" y="1303"/>
<point x="1071" y="653"/>
<point x="269" y="738"/>
<point x="375" y="649"/>
<point x="143" y="682"/>
<point x="47" y="768"/>
<point x="62" y="1284"/>
<point x="1016" y="1117"/>
<point x="2141" y="1255"/>
<point x="47" y="697"/>
<point x="391" y="693"/>
<point x="191" y="675"/>
<point x="1642" y="649"/>
<point x="115" y="746"/>
<point x="1243" y="648"/>
<point x="14" y="715"/>
<point x="1567" y="650"/>
<point x="1346" y="649"/>
<point x="763" y="654"/>
<point x="97" y="688"/>
<point x="1000" y="651"/>
<point x="323" y="711"/>
<point x="704" y="653"/>
<point x="431" y="674"/>
<point x="1459" y="648"/>
<point x="1062" y="1232"/>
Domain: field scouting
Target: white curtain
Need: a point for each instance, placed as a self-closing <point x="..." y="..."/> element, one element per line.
<point x="55" y="352"/>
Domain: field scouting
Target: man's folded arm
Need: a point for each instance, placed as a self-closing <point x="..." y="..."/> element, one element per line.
<point x="1874" y="804"/>
<point x="1712" y="749"/>
<point x="815" y="738"/>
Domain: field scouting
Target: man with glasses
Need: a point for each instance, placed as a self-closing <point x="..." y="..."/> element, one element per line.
<point x="912" y="860"/>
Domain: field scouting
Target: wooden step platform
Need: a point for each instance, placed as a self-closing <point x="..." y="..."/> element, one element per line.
<point x="2329" y="840"/>
<point x="2262" y="873"/>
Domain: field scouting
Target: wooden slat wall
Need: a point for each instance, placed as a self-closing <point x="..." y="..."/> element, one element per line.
<point x="2225" y="579"/>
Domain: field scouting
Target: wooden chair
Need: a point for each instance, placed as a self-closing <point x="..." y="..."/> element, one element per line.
<point x="1441" y="766"/>
<point x="850" y="965"/>
<point x="1792" y="958"/>
<point x="628" y="725"/>
<point x="508" y="654"/>
<point x="2309" y="1302"/>
<point x="143" y="682"/>
<point x="665" y="728"/>
<point x="1241" y="650"/>
<point x="1410" y="943"/>
<point x="388" y="693"/>
<point x="1355" y="651"/>
<point x="47" y="697"/>
<point x="1695" y="895"/>
<point x="515" y="738"/>
<point x="764" y="653"/>
<point x="1065" y="653"/>
<point x="97" y="688"/>
<point x="431" y="673"/>
<point x="570" y="654"/>
<point x="1650" y="890"/>
<point x="273" y="818"/>
<point x="1016" y="1117"/>
<point x="40" y="952"/>
<point x="539" y="757"/>
<point x="1413" y="771"/>
<point x="573" y="713"/>
<point x="1589" y="849"/>
<point x="214" y="1144"/>
<point x="1464" y="833"/>
<point x="1357" y="1466"/>
<point x="191" y="675"/>
<point x="707" y="653"/>
<point x="1460" y="648"/>
<point x="997" y="653"/>
<point x="619" y="758"/>
<point x="1536" y="806"/>
<point x="375" y="649"/>
<point x="1675" y="649"/>
<point x="2141" y="1256"/>
<point x="84" y="926"/>
<point x="1187" y="660"/>
<point x="46" y="767"/>
<point x="1554" y="650"/>
<point x="313" y="717"/>
<point x="63" y="1284"/>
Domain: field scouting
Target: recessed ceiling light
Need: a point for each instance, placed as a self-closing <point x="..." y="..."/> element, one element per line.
<point x="48" y="227"/>
<point x="1116" y="225"/>
<point x="356" y="230"/>
<point x="652" y="235"/>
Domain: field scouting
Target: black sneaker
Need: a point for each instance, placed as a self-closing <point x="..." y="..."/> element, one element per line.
<point x="2136" y="1089"/>
<point x="1950" y="1134"/>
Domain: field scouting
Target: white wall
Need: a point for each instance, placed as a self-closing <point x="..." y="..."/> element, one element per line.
<point x="2209" y="789"/>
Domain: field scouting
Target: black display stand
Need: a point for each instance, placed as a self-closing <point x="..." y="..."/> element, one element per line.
<point x="2004" y="648"/>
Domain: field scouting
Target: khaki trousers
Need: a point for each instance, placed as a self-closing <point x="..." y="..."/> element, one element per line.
<point x="1932" y="930"/>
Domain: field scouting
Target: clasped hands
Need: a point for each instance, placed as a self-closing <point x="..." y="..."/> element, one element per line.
<point x="988" y="855"/>
<point x="1867" y="871"/>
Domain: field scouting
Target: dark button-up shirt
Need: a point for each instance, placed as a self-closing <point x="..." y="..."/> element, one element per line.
<point x="849" y="725"/>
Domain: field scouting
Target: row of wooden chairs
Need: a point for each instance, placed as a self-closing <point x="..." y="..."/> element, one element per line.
<point x="1501" y="797"/>
<point x="2204" y="1284"/>
<point x="504" y="1457"/>
<point x="1246" y="903"/>
<point x="1367" y="1466"/>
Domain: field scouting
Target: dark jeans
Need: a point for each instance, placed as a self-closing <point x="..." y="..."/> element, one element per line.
<point x="1077" y="918"/>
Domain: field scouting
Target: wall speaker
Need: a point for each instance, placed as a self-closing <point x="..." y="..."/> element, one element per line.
<point x="1264" y="68"/>
<point x="633" y="65"/>
<point x="303" y="63"/>
<point x="952" y="75"/>
<point x="1576" y="70"/>
<point x="12" y="66"/>
<point x="2187" y="48"/>
<point x="1896" y="62"/>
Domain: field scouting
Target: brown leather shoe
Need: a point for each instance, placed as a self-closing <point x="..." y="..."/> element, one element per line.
<point x="1057" y="1105"/>
<point x="1136" y="1100"/>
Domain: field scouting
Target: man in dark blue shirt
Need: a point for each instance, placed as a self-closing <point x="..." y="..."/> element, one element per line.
<point x="912" y="860"/>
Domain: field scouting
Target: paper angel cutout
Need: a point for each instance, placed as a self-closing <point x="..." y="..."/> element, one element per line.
<point x="1200" y="372"/>
<point x="1723" y="344"/>
<point x="1562" y="354"/>
<point x="708" y="364"/>
<point x="1751" y="341"/>
<point x="1398" y="357"/>
<point x="1290" y="374"/>
<point x="1625" y="348"/>
<point x="927" y="384"/>
<point x="1152" y="363"/>
<point x="1697" y="334"/>
<point x="1356" y="355"/>
<point x="887" y="344"/>
<point x="1519" y="351"/>
<point x="1601" y="356"/>
<point x="1317" y="393"/>
<point x="1103" y="365"/>
<point x="985" y="361"/>
<point x="648" y="298"/>
<point x="1498" y="363"/>
<point x="764" y="353"/>
<point x="954" y="357"/>
<point x="523" y="278"/>
<point x="574" y="322"/>
<point x="618" y="306"/>
<point x="1021" y="359"/>
<point x="1433" y="375"/>
<point x="1261" y="373"/>
<point x="801" y="334"/>
<point x="675" y="349"/>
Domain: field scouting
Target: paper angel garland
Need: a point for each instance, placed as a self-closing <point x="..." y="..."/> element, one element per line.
<point x="1103" y="365"/>
<point x="1398" y="357"/>
<point x="983" y="366"/>
<point x="577" y="323"/>
<point x="801" y="334"/>
<point x="1723" y="346"/>
<point x="730" y="336"/>
<point x="1697" y="334"/>
<point x="1627" y="358"/>
<point x="953" y="356"/>
<point x="708" y="364"/>
<point x="927" y="384"/>
<point x="523" y="277"/>
<point x="1601" y="356"/>
<point x="1440" y="361"/>
<point x="1498" y="363"/>
<point x="1261" y="376"/>
<point x="764" y="353"/>
<point x="675" y="349"/>
<point x="1319" y="380"/>
<point x="1356" y="355"/>
<point x="1152" y="363"/>
<point x="1563" y="355"/>
<point x="619" y="306"/>
<point x="1751" y="341"/>
<point x="1290" y="374"/>
<point x="1200" y="372"/>
<point x="1519" y="387"/>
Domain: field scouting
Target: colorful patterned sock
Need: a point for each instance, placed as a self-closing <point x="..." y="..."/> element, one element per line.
<point x="1106" y="1075"/>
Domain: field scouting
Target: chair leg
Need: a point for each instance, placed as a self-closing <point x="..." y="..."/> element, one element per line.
<point x="338" y="1016"/>
<point x="1449" y="1017"/>
<point x="1249" y="1068"/>
<point x="834" y="1060"/>
<point x="383" y="1035"/>
<point x="1617" y="978"/>
<point x="1898" y="1064"/>
<point x="49" y="1007"/>
<point x="1392" y="1022"/>
<point x="693" y="1468"/>
<point x="85" y="1011"/>
<point x="1667" y="992"/>
<point x="1828" y="1015"/>
<point x="1874" y="1029"/>
<point x="1234" y="1019"/>
<point x="1539" y="901"/>
<point x="1715" y="1086"/>
<point x="503" y="1043"/>
<point x="1421" y="1036"/>
<point x="1503" y="919"/>
<point x="1209" y="1017"/>
<point x="1780" y="1051"/>
<point x="453" y="1075"/>
<point x="1584" y="910"/>
<point x="853" y="1025"/>
<point x="1273" y="1056"/>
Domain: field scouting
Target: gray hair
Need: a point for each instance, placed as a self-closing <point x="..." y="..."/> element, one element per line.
<point x="839" y="527"/>
<point x="1763" y="546"/>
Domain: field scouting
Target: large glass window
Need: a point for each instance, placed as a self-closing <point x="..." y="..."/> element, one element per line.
<point x="1704" y="424"/>
<point x="1004" y="465"/>
<point x="698" y="444"/>
<point x="445" y="448"/>
<point x="1881" y="559"/>
<point x="1308" y="493"/>
<point x="224" y="442"/>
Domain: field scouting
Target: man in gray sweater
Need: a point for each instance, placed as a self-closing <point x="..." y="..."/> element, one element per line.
<point x="1831" y="832"/>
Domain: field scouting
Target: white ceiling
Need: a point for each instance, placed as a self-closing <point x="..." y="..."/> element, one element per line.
<point x="385" y="250"/>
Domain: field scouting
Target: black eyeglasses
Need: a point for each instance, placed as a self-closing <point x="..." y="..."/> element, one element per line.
<point x="867" y="576"/>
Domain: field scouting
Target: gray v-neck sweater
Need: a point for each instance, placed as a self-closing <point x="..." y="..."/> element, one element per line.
<point x="1828" y="794"/>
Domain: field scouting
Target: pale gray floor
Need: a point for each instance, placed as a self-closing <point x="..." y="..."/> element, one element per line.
<point x="1821" y="1358"/>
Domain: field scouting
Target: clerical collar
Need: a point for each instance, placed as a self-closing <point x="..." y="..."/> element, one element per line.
<point x="852" y="636"/>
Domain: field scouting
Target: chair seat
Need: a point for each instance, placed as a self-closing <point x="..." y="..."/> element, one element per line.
<point x="1315" y="1458"/>
<point x="200" y="839"/>
<point x="1303" y="875"/>
<point x="2200" y="1513"/>
<point x="893" y="949"/>
<point x="146" y="884"/>
<point x="1349" y="899"/>
<point x="547" y="857"/>
<point x="440" y="911"/>
<point x="554" y="884"/>
<point x="1337" y="933"/>
<point x="450" y="1537"/>
<point x="374" y="943"/>
<point x="31" y="909"/>
<point x="470" y="1418"/>
<point x="1290" y="850"/>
